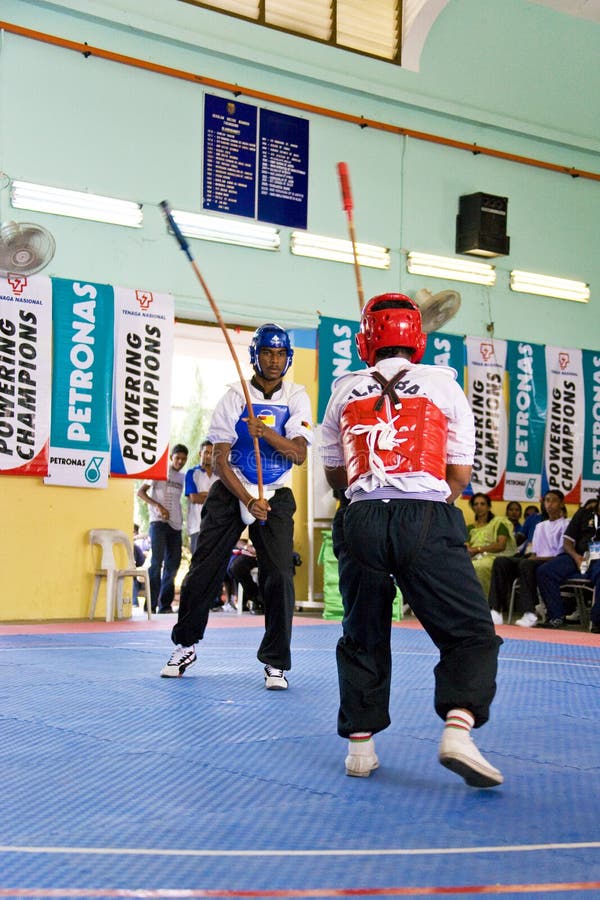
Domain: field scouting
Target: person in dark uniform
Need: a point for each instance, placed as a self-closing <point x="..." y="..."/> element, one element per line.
<point x="399" y="438"/>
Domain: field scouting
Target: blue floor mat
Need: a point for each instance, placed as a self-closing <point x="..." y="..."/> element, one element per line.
<point x="115" y="780"/>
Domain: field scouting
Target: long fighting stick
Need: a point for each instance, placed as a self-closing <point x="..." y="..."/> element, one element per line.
<point x="186" y="249"/>
<point x="344" y="177"/>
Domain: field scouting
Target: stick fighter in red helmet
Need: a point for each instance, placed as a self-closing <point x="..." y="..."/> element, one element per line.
<point x="399" y="438"/>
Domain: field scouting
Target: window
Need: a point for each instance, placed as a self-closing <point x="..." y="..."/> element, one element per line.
<point x="372" y="27"/>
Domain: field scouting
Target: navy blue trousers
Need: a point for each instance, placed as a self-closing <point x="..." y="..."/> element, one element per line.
<point x="552" y="574"/>
<point x="422" y="545"/>
<point x="165" y="543"/>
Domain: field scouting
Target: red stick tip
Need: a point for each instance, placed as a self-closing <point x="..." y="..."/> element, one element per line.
<point x="344" y="177"/>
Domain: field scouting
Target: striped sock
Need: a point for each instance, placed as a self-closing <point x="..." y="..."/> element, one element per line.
<point x="461" y="719"/>
<point x="360" y="736"/>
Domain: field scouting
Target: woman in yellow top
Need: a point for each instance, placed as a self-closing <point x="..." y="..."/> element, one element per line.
<point x="489" y="536"/>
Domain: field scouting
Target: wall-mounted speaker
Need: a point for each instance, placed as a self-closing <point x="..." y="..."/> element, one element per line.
<point x="481" y="225"/>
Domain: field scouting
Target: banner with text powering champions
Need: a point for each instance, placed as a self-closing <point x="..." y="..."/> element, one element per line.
<point x="25" y="366"/>
<point x="82" y="364"/>
<point x="590" y="481"/>
<point x="563" y="454"/>
<point x="486" y="366"/>
<point x="528" y="396"/>
<point x="144" y="333"/>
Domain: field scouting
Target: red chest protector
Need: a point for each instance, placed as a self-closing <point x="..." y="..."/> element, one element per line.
<point x="388" y="437"/>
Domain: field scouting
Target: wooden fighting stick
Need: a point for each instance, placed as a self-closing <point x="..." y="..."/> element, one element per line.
<point x="186" y="249"/>
<point x="348" y="205"/>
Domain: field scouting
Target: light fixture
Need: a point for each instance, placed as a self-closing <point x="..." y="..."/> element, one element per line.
<point x="450" y="268"/>
<point x="548" y="286"/>
<point x="227" y="231"/>
<point x="77" y="204"/>
<point x="315" y="245"/>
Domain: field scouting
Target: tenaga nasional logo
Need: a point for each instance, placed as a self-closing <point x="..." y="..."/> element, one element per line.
<point x="18" y="283"/>
<point x="144" y="298"/>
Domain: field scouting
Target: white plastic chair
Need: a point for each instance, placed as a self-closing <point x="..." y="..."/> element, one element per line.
<point x="581" y="589"/>
<point x="240" y="593"/>
<point x="107" y="539"/>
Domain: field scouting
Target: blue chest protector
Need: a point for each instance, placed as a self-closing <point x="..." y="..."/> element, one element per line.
<point x="274" y="465"/>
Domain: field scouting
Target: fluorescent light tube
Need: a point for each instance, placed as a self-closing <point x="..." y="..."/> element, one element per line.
<point x="319" y="247"/>
<point x="76" y="204"/>
<point x="227" y="231"/>
<point x="450" y="268"/>
<point x="549" y="286"/>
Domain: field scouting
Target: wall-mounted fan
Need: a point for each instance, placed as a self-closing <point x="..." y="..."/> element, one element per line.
<point x="437" y="309"/>
<point x="25" y="248"/>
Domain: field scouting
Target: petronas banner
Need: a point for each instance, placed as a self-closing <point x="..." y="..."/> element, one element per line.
<point x="590" y="481"/>
<point x="528" y="401"/>
<point x="82" y="366"/>
<point x="337" y="355"/>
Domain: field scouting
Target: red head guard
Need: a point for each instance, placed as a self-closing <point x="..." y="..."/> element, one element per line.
<point x="390" y="320"/>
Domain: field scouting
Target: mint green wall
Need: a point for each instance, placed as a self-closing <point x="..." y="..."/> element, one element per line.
<point x="511" y="75"/>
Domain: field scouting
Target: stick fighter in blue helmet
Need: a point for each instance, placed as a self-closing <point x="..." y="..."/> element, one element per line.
<point x="399" y="438"/>
<point x="282" y="424"/>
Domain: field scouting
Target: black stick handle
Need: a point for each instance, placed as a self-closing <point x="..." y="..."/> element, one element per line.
<point x="164" y="205"/>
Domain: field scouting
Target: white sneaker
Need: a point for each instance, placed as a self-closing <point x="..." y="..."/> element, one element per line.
<point x="181" y="659"/>
<point x="459" y="754"/>
<point x="527" y="620"/>
<point x="275" y="679"/>
<point x="361" y="759"/>
<point x="229" y="607"/>
<point x="496" y="617"/>
<point x="540" y="609"/>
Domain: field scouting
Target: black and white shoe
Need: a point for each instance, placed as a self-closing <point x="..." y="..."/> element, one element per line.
<point x="275" y="679"/>
<point x="181" y="659"/>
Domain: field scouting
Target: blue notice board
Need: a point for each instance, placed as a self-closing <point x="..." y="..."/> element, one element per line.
<point x="229" y="177"/>
<point x="283" y="169"/>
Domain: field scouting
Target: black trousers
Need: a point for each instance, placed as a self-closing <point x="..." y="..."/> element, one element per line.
<point x="220" y="529"/>
<point x="422" y="544"/>
<point x="504" y="572"/>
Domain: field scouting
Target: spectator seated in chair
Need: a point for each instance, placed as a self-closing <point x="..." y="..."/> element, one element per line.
<point x="581" y="551"/>
<point x="546" y="543"/>
<point x="489" y="536"/>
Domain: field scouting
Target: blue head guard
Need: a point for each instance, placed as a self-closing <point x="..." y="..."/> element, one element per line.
<point x="270" y="335"/>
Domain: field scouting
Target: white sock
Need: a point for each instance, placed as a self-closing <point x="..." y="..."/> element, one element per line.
<point x="460" y="719"/>
<point x="360" y="736"/>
